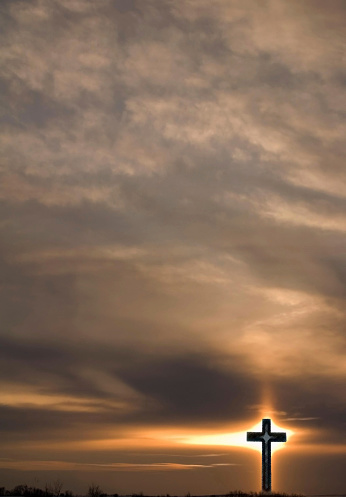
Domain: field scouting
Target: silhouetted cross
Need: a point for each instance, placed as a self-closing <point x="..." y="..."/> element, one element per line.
<point x="266" y="437"/>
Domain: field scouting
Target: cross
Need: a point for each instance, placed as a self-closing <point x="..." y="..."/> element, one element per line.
<point x="266" y="437"/>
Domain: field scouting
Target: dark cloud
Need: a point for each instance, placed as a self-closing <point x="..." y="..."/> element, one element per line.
<point x="189" y="388"/>
<point x="193" y="388"/>
<point x="183" y="388"/>
<point x="322" y="400"/>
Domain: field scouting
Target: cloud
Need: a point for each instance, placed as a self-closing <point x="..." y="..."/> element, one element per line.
<point x="68" y="466"/>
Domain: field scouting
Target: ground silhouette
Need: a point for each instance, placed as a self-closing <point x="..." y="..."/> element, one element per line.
<point x="55" y="490"/>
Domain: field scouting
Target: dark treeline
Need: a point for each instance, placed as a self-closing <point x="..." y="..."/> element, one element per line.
<point x="55" y="490"/>
<point x="233" y="493"/>
<point x="23" y="490"/>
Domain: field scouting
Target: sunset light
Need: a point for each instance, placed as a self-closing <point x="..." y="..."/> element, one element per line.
<point x="237" y="439"/>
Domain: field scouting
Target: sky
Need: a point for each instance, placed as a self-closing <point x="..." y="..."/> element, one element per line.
<point x="172" y="254"/>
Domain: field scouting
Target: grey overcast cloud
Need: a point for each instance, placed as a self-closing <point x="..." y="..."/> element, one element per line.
<point x="173" y="233"/>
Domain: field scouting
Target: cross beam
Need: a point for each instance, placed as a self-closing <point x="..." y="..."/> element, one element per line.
<point x="266" y="437"/>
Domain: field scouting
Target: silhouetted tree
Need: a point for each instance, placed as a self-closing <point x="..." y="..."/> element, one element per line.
<point x="57" y="487"/>
<point x="94" y="491"/>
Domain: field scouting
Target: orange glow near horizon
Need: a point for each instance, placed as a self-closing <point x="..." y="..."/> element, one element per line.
<point x="172" y="438"/>
<point x="178" y="436"/>
<point x="237" y="439"/>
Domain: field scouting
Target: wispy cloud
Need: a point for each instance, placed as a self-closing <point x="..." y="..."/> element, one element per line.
<point x="119" y="466"/>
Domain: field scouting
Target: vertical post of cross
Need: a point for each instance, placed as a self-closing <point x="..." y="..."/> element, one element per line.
<point x="266" y="437"/>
